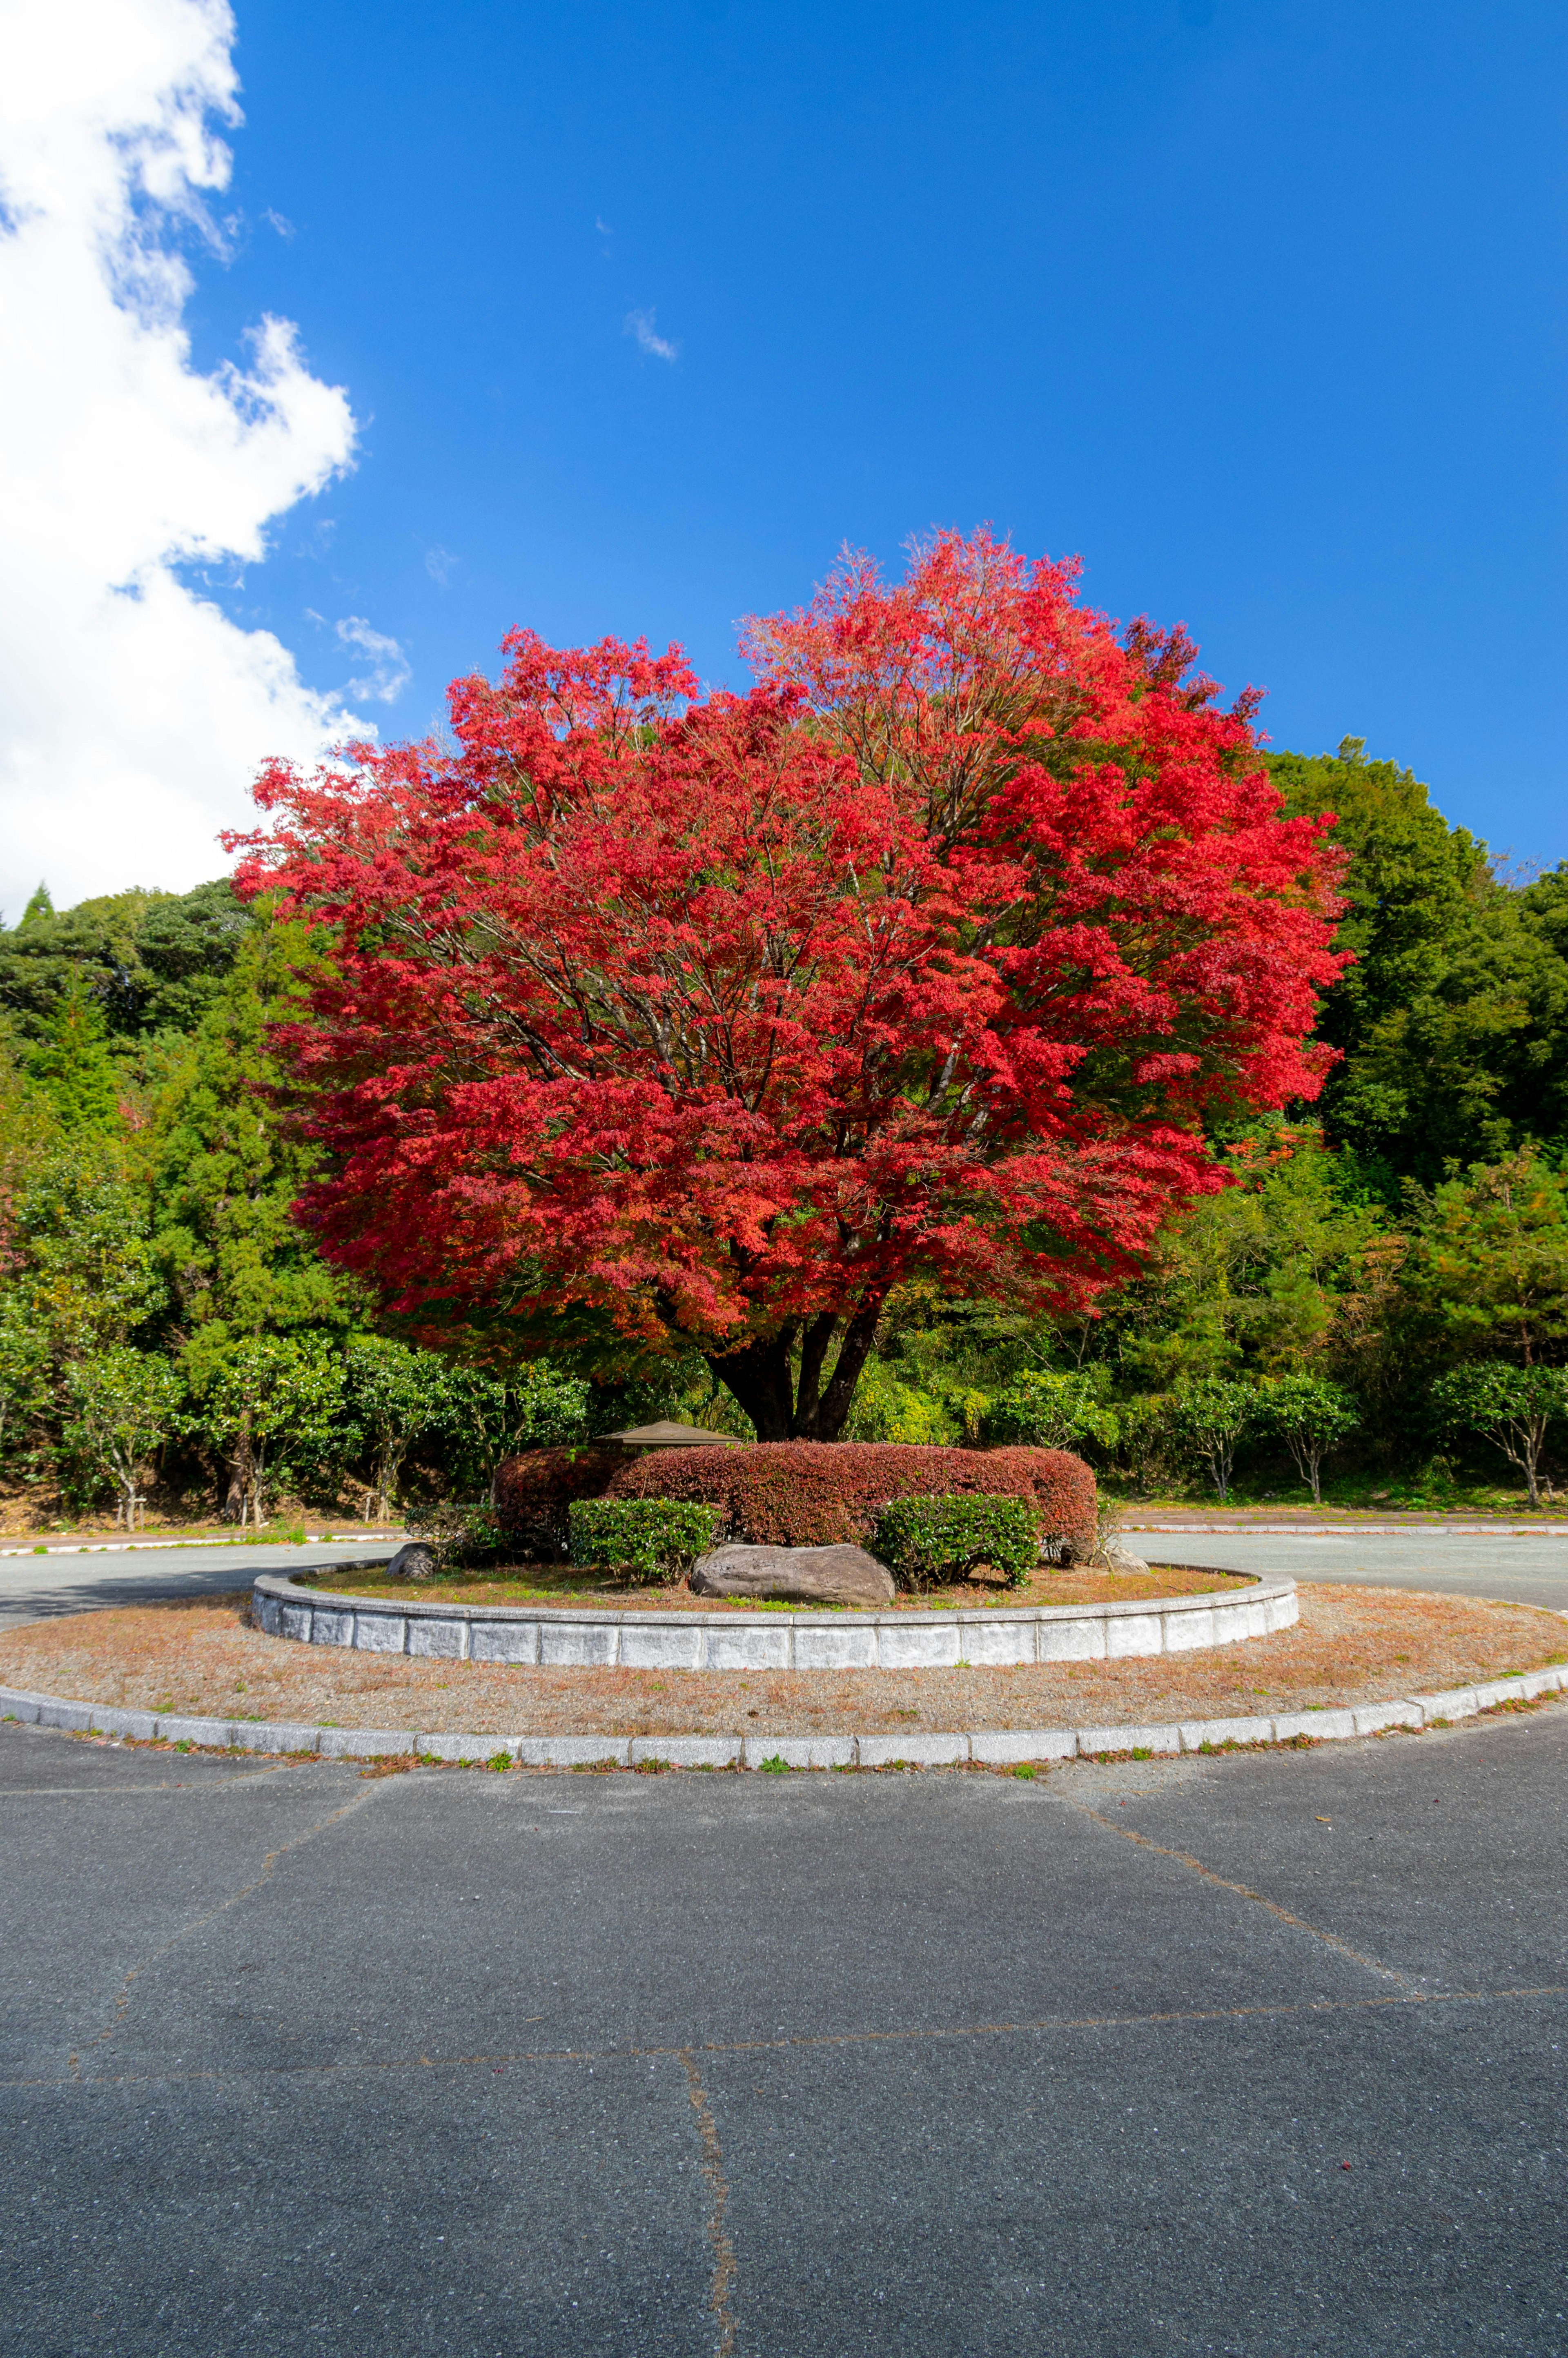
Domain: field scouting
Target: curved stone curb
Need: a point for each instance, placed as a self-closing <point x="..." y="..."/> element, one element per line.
<point x="587" y="1637"/>
<point x="981" y="1745"/>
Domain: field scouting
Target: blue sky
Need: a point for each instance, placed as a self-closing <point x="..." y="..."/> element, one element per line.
<point x="1256" y="305"/>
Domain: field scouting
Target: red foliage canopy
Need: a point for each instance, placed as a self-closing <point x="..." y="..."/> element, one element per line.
<point x="714" y="1020"/>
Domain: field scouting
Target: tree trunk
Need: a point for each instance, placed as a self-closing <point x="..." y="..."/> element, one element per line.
<point x="760" y="1377"/>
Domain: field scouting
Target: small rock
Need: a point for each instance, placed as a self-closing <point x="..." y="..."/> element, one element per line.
<point x="813" y="1575"/>
<point x="1118" y="1559"/>
<point x="414" y="1562"/>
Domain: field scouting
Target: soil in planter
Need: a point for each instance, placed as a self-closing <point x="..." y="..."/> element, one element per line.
<point x="558" y="1583"/>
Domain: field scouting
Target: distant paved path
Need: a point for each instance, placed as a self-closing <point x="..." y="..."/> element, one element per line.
<point x="34" y="1588"/>
<point x="1528" y="1568"/>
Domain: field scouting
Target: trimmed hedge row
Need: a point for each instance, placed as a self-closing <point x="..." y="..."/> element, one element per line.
<point x="819" y="1493"/>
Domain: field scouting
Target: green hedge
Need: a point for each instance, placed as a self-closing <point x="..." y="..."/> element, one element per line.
<point x="642" y="1539"/>
<point x="925" y="1540"/>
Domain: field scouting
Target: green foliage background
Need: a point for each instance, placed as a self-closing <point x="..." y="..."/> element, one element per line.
<point x="1413" y="1223"/>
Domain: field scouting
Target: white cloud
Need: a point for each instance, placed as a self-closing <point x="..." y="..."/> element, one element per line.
<point x="659" y="348"/>
<point x="389" y="674"/>
<point x="132" y="713"/>
<point x="439" y="564"/>
<point x="279" y="222"/>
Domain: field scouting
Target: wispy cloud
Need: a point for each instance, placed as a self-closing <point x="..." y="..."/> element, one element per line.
<point x="279" y="222"/>
<point x="658" y="348"/>
<point x="602" y="226"/>
<point x="439" y="564"/>
<point x="389" y="674"/>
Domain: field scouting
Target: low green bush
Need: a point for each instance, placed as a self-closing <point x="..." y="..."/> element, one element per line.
<point x="925" y="1541"/>
<point x="642" y="1539"/>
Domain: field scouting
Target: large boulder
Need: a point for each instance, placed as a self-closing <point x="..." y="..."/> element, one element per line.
<point x="798" y="1576"/>
<point x="414" y="1562"/>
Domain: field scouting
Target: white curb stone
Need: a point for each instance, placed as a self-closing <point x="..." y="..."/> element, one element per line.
<point x="920" y="1751"/>
<point x="687" y="1751"/>
<point x="1091" y="1740"/>
<point x="1322" y="1726"/>
<point x="370" y="1743"/>
<point x="1195" y="1733"/>
<point x="802" y="1751"/>
<point x="1005" y="1744"/>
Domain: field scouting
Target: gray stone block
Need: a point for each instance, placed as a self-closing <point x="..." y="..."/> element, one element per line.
<point x="274" y="1736"/>
<point x="53" y="1712"/>
<point x="1162" y="1736"/>
<point x="820" y="1648"/>
<point x="1453" y="1702"/>
<point x="1185" y="1630"/>
<point x="367" y="1743"/>
<point x="1323" y="1726"/>
<point x="579" y="1645"/>
<point x="918" y="1645"/>
<point x="1497" y="1691"/>
<point x="688" y="1751"/>
<point x="268" y="1613"/>
<point x="655" y="1647"/>
<point x="574" y="1751"/>
<point x="504" y="1641"/>
<point x="740" y="1645"/>
<point x="443" y="1641"/>
<point x="297" y="1621"/>
<point x="378" y="1633"/>
<point x="1134" y="1633"/>
<point x="1071" y="1642"/>
<point x="801" y="1751"/>
<point x="179" y="1730"/>
<point x="463" y="1747"/>
<point x="17" y="1703"/>
<point x="921" y="1751"/>
<point x="331" y="1626"/>
<point x="140" y="1726"/>
<point x="1370" y="1717"/>
<point x="1550" y="1680"/>
<point x="988" y="1643"/>
<point x="1006" y="1744"/>
<point x="1195" y="1733"/>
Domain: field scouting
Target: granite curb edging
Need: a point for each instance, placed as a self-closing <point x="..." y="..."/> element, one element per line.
<point x="979" y="1746"/>
<point x="602" y="1637"/>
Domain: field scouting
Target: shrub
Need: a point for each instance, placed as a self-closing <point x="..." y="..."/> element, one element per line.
<point x="922" y="1540"/>
<point x="534" y="1491"/>
<point x="819" y="1493"/>
<point x="464" y="1538"/>
<point x="642" y="1539"/>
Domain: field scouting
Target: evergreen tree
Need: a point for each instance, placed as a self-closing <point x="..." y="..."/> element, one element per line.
<point x="74" y="1067"/>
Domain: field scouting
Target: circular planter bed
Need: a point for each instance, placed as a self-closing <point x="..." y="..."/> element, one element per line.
<point x="725" y="1637"/>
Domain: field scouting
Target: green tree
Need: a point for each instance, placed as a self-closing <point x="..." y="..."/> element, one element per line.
<point x="1487" y="1274"/>
<point x="1513" y="1407"/>
<point x="391" y="1395"/>
<point x="121" y="1405"/>
<point x="1437" y="1018"/>
<point x="1311" y="1415"/>
<point x="1044" y="1410"/>
<point x="73" y="1066"/>
<point x="1212" y="1416"/>
<point x="262" y="1404"/>
<point x="491" y="1416"/>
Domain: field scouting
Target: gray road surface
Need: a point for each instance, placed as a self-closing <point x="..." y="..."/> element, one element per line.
<point x="1260" y="2055"/>
<point x="34" y="1588"/>
<point x="1528" y="1568"/>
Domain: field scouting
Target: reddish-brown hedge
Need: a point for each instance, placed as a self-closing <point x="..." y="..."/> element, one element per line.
<point x="815" y="1493"/>
<point x="533" y="1491"/>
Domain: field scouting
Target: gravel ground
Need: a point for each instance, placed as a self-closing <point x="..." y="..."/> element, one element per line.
<point x="1351" y="1646"/>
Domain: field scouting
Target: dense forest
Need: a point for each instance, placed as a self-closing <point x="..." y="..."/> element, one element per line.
<point x="1378" y="1307"/>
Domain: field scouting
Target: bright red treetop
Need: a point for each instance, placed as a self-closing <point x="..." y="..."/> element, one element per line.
<point x="713" y="1021"/>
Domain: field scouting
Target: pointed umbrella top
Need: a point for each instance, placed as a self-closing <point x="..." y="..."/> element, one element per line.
<point x="666" y="1435"/>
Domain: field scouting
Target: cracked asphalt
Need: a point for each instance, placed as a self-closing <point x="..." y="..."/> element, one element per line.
<point x="1257" y="2054"/>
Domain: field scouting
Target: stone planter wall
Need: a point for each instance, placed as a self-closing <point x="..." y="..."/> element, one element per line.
<point x="576" y="1636"/>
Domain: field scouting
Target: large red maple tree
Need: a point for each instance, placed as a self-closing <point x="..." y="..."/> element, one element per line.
<point x="709" y="1020"/>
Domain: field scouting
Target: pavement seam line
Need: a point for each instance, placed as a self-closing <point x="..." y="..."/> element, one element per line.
<point x="122" y="1998"/>
<point x="1265" y="2009"/>
<point x="1245" y="1891"/>
<point x="712" y="2168"/>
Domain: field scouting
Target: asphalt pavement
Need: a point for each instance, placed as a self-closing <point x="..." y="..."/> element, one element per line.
<point x="1260" y="2054"/>
<point x="35" y="1588"/>
<point x="1525" y="1567"/>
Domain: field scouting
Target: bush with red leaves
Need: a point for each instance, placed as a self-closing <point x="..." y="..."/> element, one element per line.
<point x="534" y="1489"/>
<point x="817" y="1493"/>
